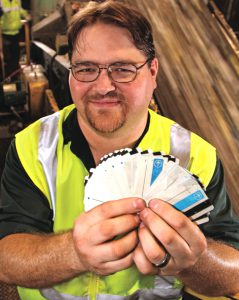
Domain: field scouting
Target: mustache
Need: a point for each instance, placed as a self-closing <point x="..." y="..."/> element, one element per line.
<point x="98" y="97"/>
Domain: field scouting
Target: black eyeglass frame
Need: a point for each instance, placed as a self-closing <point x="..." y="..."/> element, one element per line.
<point x="109" y="72"/>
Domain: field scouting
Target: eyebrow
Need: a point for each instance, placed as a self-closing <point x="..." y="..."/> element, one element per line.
<point x="84" y="63"/>
<point x="87" y="62"/>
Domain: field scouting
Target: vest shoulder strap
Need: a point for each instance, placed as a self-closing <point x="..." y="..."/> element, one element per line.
<point x="180" y="144"/>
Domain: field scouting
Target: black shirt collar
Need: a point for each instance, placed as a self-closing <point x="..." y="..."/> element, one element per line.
<point x="79" y="145"/>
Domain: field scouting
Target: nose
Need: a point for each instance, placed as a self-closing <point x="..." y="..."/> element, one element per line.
<point x="104" y="84"/>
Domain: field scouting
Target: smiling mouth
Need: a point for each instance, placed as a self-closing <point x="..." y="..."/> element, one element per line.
<point x="107" y="102"/>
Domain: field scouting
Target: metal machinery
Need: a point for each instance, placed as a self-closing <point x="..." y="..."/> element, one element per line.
<point x="13" y="99"/>
<point x="21" y="100"/>
<point x="49" y="48"/>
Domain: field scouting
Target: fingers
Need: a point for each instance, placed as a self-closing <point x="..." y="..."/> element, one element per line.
<point x="150" y="253"/>
<point x="144" y="265"/>
<point x="118" y="248"/>
<point x="116" y="208"/>
<point x="111" y="209"/>
<point x="107" y="221"/>
<point x="163" y="232"/>
<point x="106" y="240"/>
<point x="101" y="234"/>
<point x="109" y="229"/>
<point x="109" y="257"/>
<point x="151" y="246"/>
<point x="189" y="231"/>
<point x="167" y="229"/>
<point x="107" y="234"/>
<point x="114" y="266"/>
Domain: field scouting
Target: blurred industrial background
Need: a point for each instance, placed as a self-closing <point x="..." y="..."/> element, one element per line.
<point x="198" y="81"/>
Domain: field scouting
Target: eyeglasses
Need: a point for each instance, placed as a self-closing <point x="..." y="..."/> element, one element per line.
<point x="118" y="72"/>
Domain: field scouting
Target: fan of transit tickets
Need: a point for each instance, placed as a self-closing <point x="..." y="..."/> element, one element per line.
<point x="147" y="174"/>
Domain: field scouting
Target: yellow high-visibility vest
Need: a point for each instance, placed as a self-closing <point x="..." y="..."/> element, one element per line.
<point x="59" y="174"/>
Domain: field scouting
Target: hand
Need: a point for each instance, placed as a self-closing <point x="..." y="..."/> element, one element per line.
<point x="95" y="231"/>
<point x="166" y="229"/>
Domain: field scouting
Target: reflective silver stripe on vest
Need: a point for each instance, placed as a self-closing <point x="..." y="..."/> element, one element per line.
<point x="180" y="144"/>
<point x="47" y="146"/>
<point x="52" y="294"/>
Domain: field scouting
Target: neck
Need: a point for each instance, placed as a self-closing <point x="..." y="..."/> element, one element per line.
<point x="104" y="143"/>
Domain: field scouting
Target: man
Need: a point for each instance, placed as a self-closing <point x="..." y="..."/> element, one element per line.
<point x="120" y="249"/>
<point x="11" y="13"/>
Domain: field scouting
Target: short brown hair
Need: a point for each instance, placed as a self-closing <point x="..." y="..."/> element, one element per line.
<point x="113" y="12"/>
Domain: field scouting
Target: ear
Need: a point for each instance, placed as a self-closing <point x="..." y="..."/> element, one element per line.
<point x="154" y="70"/>
<point x="154" y="67"/>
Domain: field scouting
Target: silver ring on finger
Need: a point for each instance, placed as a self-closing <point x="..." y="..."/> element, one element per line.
<point x="164" y="262"/>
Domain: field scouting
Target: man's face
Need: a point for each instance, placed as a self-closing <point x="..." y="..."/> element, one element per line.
<point x="105" y="105"/>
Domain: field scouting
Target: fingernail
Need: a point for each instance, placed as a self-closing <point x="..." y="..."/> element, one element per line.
<point x="138" y="203"/>
<point x="154" y="203"/>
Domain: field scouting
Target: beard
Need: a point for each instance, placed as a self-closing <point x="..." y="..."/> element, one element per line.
<point x="106" y="120"/>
